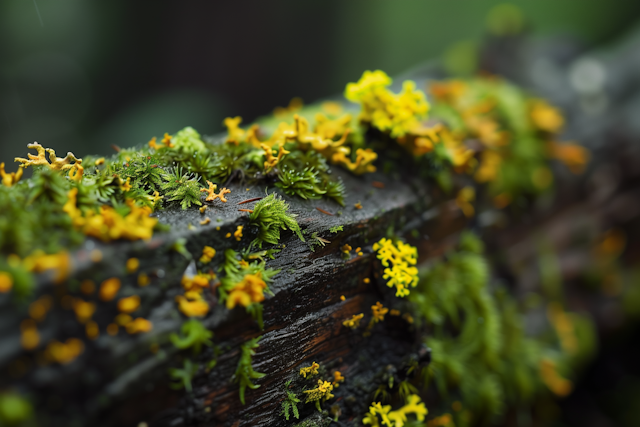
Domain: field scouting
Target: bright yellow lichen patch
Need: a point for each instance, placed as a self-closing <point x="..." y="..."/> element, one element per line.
<point x="54" y="162"/>
<point x="129" y="304"/>
<point x="573" y="156"/>
<point x="207" y="254"/>
<point x="322" y="392"/>
<point x="10" y="178"/>
<point x="6" y="282"/>
<point x="310" y="370"/>
<point x="235" y="133"/>
<point x="108" y="224"/>
<point x="249" y="290"/>
<point x="84" y="309"/>
<point x="337" y="378"/>
<point x="195" y="283"/>
<point x="378" y="311"/>
<point x="403" y="257"/>
<point x="192" y="304"/>
<point x="354" y="322"/>
<point x="38" y="262"/>
<point x="396" y="418"/>
<point x="211" y="192"/>
<point x="109" y="288"/>
<point x="272" y="160"/>
<point x="545" y="117"/>
<point x="398" y="114"/>
<point x="238" y="233"/>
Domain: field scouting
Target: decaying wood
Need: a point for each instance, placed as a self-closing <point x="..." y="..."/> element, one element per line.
<point x="123" y="380"/>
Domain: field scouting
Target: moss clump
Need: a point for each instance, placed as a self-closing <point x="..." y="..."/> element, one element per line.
<point x="271" y="216"/>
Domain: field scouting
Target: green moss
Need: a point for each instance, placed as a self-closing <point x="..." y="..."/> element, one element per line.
<point x="195" y="335"/>
<point x="271" y="216"/>
<point x="244" y="371"/>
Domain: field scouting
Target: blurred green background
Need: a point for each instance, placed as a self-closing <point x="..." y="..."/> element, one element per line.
<point x="79" y="76"/>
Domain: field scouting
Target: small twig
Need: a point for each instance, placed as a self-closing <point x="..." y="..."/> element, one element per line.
<point x="324" y="212"/>
<point x="246" y="210"/>
<point x="378" y="184"/>
<point x="250" y="200"/>
<point x="115" y="147"/>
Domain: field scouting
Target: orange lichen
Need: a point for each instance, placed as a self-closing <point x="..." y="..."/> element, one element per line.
<point x="238" y="233"/>
<point x="84" y="309"/>
<point x="6" y="282"/>
<point x="337" y="378"/>
<point x="192" y="304"/>
<point x="249" y="290"/>
<point x="545" y="117"/>
<point x="573" y="156"/>
<point x="211" y="192"/>
<point x="272" y="160"/>
<point x="39" y="261"/>
<point x="54" y="162"/>
<point x="205" y="221"/>
<point x="112" y="329"/>
<point x="129" y="304"/>
<point x="108" y="224"/>
<point x="138" y="325"/>
<point x="235" y="133"/>
<point x="563" y="325"/>
<point x="132" y="265"/>
<point x="166" y="141"/>
<point x="207" y="254"/>
<point x="195" y="283"/>
<point x="10" y="178"/>
<point x="378" y="311"/>
<point x="64" y="353"/>
<point x="109" y="288"/>
<point x="153" y="144"/>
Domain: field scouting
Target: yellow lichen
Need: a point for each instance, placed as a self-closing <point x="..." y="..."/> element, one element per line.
<point x="39" y="262"/>
<point x="109" y="288"/>
<point x="398" y="114"/>
<point x="337" y="378"/>
<point x="129" y="304"/>
<point x="272" y="160"/>
<point x="207" y="254"/>
<point x="310" y="370"/>
<point x="400" y="260"/>
<point x="10" y="178"/>
<point x="84" y="309"/>
<point x="238" y="233"/>
<point x="235" y="133"/>
<point x="39" y="308"/>
<point x="545" y="117"/>
<point x="211" y="192"/>
<point x="354" y="321"/>
<point x="143" y="279"/>
<point x="573" y="156"/>
<point x="6" y="282"/>
<point x="249" y="290"/>
<point x="108" y="224"/>
<point x="132" y="265"/>
<point x="192" y="304"/>
<point x="54" y="162"/>
<point x="378" y="311"/>
<point x="396" y="418"/>
<point x="322" y="392"/>
<point x="139" y="325"/>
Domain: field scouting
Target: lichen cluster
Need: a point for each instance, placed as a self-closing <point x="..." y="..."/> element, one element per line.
<point x="482" y="130"/>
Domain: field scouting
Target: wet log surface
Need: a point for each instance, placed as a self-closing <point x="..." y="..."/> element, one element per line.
<point x="122" y="380"/>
